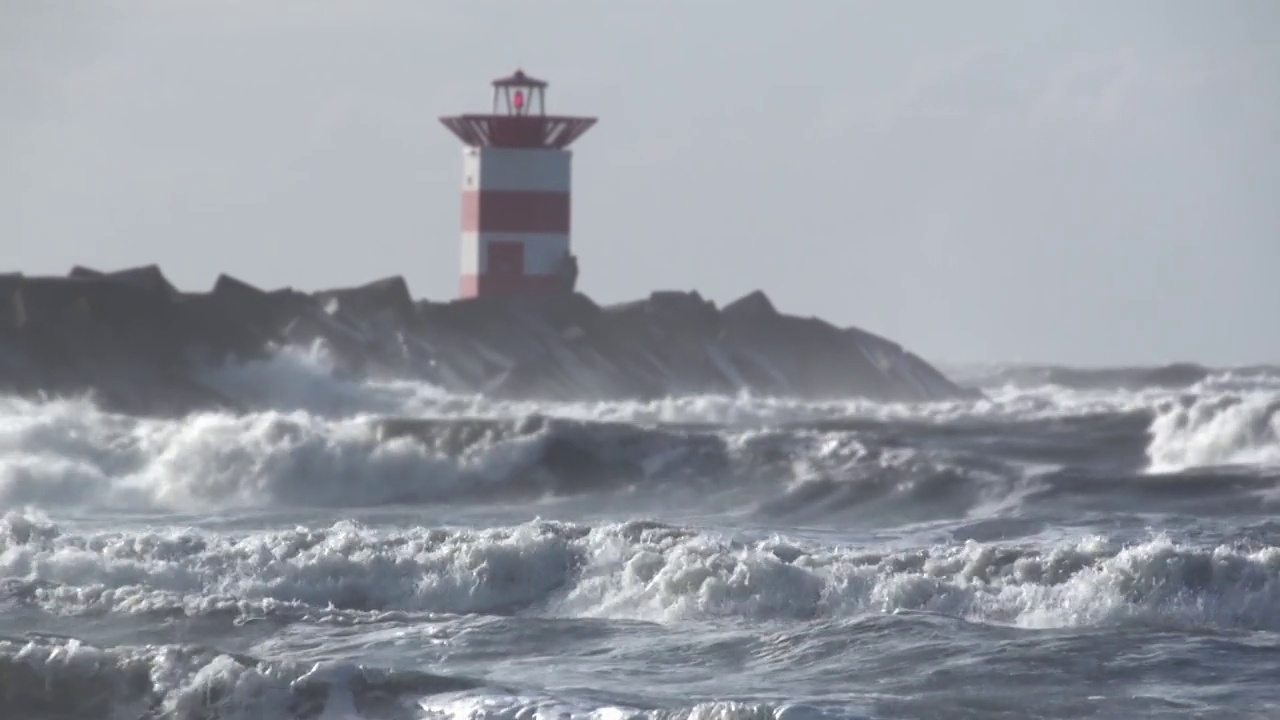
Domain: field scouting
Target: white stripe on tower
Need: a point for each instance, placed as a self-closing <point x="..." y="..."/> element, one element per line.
<point x="521" y="169"/>
<point x="543" y="251"/>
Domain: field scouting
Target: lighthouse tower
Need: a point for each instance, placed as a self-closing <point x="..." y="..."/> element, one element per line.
<point x="515" y="193"/>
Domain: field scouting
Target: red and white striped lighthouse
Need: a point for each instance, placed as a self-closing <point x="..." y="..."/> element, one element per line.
<point x="515" y="193"/>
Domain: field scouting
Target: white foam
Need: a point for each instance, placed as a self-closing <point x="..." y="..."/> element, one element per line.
<point x="1216" y="430"/>
<point x="492" y="705"/>
<point x="69" y="454"/>
<point x="74" y="679"/>
<point x="349" y="573"/>
<point x="303" y="378"/>
<point x="311" y="440"/>
<point x="68" y="678"/>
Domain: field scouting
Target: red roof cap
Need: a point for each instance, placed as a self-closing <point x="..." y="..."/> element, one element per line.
<point x="519" y="78"/>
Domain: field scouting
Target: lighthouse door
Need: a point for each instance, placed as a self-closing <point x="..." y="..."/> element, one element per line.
<point x="506" y="265"/>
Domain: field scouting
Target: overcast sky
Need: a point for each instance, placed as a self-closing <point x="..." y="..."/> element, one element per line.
<point x="1083" y="182"/>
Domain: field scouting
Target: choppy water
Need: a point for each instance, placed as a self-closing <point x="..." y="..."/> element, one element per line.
<point x="1048" y="553"/>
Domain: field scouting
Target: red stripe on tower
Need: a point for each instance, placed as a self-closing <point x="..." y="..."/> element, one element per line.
<point x="516" y="193"/>
<point x="507" y="211"/>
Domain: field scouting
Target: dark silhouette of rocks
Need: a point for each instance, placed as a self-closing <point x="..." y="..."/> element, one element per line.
<point x="139" y="345"/>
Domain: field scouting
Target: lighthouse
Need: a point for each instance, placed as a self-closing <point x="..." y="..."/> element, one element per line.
<point x="515" y="193"/>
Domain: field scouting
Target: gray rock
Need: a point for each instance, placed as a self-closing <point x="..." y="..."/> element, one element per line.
<point x="136" y="342"/>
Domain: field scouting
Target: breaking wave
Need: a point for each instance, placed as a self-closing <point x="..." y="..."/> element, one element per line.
<point x="57" y="677"/>
<point x="649" y="571"/>
<point x="1225" y="430"/>
<point x="65" y="677"/>
<point x="1028" y="508"/>
<point x="898" y="463"/>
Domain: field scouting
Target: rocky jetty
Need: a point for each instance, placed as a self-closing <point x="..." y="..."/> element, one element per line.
<point x="137" y="343"/>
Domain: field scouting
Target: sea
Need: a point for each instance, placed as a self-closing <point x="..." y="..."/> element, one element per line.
<point x="1099" y="548"/>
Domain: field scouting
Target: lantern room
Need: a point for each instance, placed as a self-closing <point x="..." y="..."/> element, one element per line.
<point x="519" y="94"/>
<point x="518" y="119"/>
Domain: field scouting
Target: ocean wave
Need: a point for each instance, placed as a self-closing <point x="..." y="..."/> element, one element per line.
<point x="634" y="570"/>
<point x="307" y="378"/>
<point x="506" y="706"/>
<point x="1175" y="376"/>
<point x="1231" y="429"/>
<point x="68" y="454"/>
<point x="64" y="677"/>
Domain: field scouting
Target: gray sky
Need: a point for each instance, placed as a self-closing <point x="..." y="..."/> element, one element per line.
<point x="1085" y="182"/>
